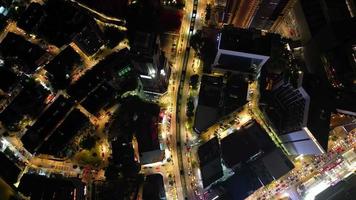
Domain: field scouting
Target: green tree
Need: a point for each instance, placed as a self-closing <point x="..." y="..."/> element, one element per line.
<point x="197" y="41"/>
<point x="190" y="107"/>
<point x="88" y="142"/>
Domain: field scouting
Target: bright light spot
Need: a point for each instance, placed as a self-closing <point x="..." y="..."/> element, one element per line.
<point x="146" y="77"/>
<point x="152" y="72"/>
<point x="315" y="190"/>
<point x="300" y="157"/>
<point x="163" y="73"/>
<point x="216" y="197"/>
<point x="285" y="195"/>
<point x="42" y="173"/>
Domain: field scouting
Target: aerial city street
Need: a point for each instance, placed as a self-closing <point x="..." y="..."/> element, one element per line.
<point x="177" y="99"/>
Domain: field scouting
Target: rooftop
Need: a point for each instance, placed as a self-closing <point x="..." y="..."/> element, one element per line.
<point x="245" y="179"/>
<point x="242" y="145"/>
<point x="145" y="44"/>
<point x="205" y="116"/>
<point x="147" y="132"/>
<point x="37" y="187"/>
<point x="210" y="161"/>
<point x="153" y="187"/>
<point x="122" y="153"/>
<point x="26" y="53"/>
<point x="236" y="63"/>
<point x="100" y="97"/>
<point x="62" y="67"/>
<point x="319" y="109"/>
<point x="255" y="174"/>
<point x="8" y="79"/>
<point x="62" y="17"/>
<point x="210" y="91"/>
<point x="235" y="94"/>
<point x="31" y="16"/>
<point x="46" y="123"/>
<point x="102" y="71"/>
<point x="207" y="111"/>
<point x="276" y="164"/>
<point x="9" y="171"/>
<point x="245" y="40"/>
<point x="29" y="101"/>
<point x="90" y="39"/>
<point x="65" y="132"/>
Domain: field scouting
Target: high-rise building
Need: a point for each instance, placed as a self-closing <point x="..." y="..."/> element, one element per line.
<point x="300" y="120"/>
<point x="267" y="13"/>
<point x="319" y="13"/>
<point x="302" y="19"/>
<point x="254" y="159"/>
<point x="209" y="103"/>
<point x="260" y="14"/>
<point x="242" y="51"/>
<point x="150" y="62"/>
<point x="239" y="13"/>
<point x="351" y="5"/>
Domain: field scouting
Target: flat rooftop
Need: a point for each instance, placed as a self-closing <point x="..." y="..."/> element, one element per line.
<point x="46" y="123"/>
<point x="235" y="95"/>
<point x="62" y="66"/>
<point x="210" y="96"/>
<point x="104" y="70"/>
<point x="8" y="79"/>
<point x="210" y="161"/>
<point x="30" y="101"/>
<point x="99" y="98"/>
<point x="16" y="46"/>
<point x="9" y="171"/>
<point x="153" y="187"/>
<point x="319" y="109"/>
<point x="210" y="90"/>
<point x="240" y="146"/>
<point x="65" y="132"/>
<point x="245" y="180"/>
<point x="236" y="63"/>
<point x="245" y="40"/>
<point x="42" y="187"/>
<point x="90" y="39"/>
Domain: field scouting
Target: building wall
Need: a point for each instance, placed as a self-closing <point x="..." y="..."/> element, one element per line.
<point x="152" y="156"/>
<point x="301" y="142"/>
<point x="258" y="60"/>
<point x="239" y="13"/>
<point x="293" y="23"/>
<point x="351" y="5"/>
<point x="301" y="19"/>
<point x="290" y="107"/>
<point x="267" y="13"/>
